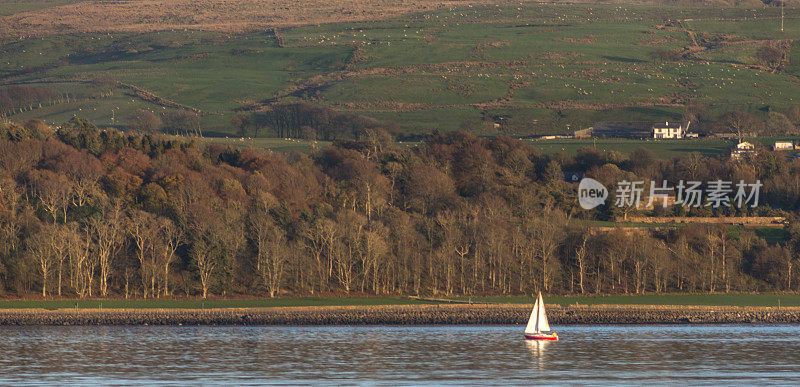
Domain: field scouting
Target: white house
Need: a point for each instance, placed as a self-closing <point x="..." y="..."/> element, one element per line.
<point x="783" y="145"/>
<point x="742" y="149"/>
<point x="667" y="130"/>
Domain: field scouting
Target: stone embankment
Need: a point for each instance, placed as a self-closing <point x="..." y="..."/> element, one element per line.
<point x="476" y="314"/>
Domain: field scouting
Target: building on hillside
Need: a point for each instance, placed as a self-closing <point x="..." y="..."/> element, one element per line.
<point x="623" y="129"/>
<point x="742" y="149"/>
<point x="573" y="176"/>
<point x="783" y="145"/>
<point x="691" y="135"/>
<point x="554" y="137"/>
<point x="584" y="133"/>
<point x="636" y="130"/>
<point x="669" y="130"/>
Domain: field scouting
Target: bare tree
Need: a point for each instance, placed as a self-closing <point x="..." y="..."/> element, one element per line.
<point x="547" y="235"/>
<point x="145" y="121"/>
<point x="171" y="237"/>
<point x="314" y="240"/>
<point x="41" y="250"/>
<point x="54" y="192"/>
<point x="85" y="172"/>
<point x="580" y="257"/>
<point x="375" y="250"/>
<point x="102" y="86"/>
<point x="58" y="238"/>
<point x="345" y="250"/>
<point x="183" y="122"/>
<point x="107" y="234"/>
<point x="271" y="252"/>
<point x="82" y="262"/>
<point x="448" y="245"/>
<point x="142" y="228"/>
<point x="10" y="212"/>
<point x="774" y="54"/>
<point x="740" y="122"/>
<point x="204" y="258"/>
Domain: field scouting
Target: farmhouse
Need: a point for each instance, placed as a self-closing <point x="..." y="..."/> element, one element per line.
<point x="783" y="145"/>
<point x="742" y="149"/>
<point x="638" y="130"/>
<point x="669" y="130"/>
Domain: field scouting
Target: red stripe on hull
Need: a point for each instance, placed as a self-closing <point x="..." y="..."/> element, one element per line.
<point x="542" y="337"/>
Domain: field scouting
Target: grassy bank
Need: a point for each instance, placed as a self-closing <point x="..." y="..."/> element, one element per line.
<point x="670" y="299"/>
<point x="666" y="299"/>
<point x="205" y="304"/>
<point x="662" y="148"/>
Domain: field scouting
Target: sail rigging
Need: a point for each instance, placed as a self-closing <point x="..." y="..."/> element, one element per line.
<point x="538" y="320"/>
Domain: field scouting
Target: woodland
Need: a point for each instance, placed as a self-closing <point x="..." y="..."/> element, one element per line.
<point x="87" y="212"/>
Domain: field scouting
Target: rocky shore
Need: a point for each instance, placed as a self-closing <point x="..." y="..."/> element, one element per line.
<point x="475" y="314"/>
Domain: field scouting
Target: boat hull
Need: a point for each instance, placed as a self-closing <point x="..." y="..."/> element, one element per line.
<point x="541" y="336"/>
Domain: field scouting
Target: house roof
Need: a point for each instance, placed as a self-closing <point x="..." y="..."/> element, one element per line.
<point x="667" y="125"/>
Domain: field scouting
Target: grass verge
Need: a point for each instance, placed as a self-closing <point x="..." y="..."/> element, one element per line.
<point x="649" y="299"/>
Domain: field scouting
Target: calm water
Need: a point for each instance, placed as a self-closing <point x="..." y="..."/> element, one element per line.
<point x="615" y="355"/>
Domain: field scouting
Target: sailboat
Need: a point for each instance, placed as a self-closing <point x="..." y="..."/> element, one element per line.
<point x="538" y="328"/>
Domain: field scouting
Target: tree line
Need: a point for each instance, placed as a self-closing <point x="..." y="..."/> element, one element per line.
<point x="19" y="99"/>
<point x="101" y="213"/>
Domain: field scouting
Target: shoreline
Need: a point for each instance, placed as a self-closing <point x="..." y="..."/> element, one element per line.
<point x="405" y="315"/>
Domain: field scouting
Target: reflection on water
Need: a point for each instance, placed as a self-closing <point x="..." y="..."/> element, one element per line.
<point x="399" y="355"/>
<point x="537" y="349"/>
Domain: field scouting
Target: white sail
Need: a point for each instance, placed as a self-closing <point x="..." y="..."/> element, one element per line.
<point x="538" y="320"/>
<point x="531" y="328"/>
<point x="543" y="326"/>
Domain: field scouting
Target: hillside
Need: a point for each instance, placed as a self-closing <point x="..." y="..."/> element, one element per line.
<point x="416" y="65"/>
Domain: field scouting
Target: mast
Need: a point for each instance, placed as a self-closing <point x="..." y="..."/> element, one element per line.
<point x="538" y="320"/>
<point x="542" y="324"/>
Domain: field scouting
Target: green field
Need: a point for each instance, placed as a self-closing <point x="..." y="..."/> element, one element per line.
<point x="662" y="148"/>
<point x="541" y="67"/>
<point x="650" y="299"/>
<point x="658" y="299"/>
<point x="275" y="144"/>
<point x="10" y="7"/>
<point x="204" y="304"/>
